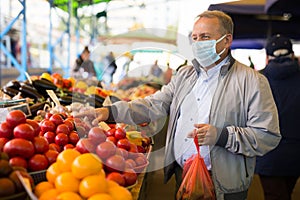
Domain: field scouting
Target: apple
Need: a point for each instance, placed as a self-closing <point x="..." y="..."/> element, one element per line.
<point x="106" y="149"/>
<point x="19" y="147"/>
<point x="41" y="144"/>
<point x="97" y="135"/>
<point x="123" y="143"/>
<point x="61" y="139"/>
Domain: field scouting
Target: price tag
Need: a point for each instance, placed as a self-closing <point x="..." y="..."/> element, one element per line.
<point x="24" y="107"/>
<point x="53" y="97"/>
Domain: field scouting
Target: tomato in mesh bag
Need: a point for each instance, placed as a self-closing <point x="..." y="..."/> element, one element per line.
<point x="197" y="183"/>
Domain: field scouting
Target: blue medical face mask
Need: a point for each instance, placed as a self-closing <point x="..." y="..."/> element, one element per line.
<point x="205" y="51"/>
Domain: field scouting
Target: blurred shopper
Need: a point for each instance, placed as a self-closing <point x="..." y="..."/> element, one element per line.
<point x="226" y="104"/>
<point x="156" y="70"/>
<point x="110" y="67"/>
<point x="84" y="64"/>
<point x="168" y="74"/>
<point x="280" y="168"/>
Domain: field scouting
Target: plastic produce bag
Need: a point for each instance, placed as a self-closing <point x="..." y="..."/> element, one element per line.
<point x="196" y="183"/>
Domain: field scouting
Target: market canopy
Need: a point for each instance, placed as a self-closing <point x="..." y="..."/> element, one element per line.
<point x="260" y="19"/>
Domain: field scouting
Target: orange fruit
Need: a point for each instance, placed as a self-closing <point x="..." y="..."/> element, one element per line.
<point x="67" y="182"/>
<point x="86" y="164"/>
<point x="52" y="172"/>
<point x="101" y="196"/>
<point x="65" y="159"/>
<point x="68" y="196"/>
<point x="120" y="193"/>
<point x="112" y="184"/>
<point x="42" y="187"/>
<point x="49" y="195"/>
<point x="91" y="185"/>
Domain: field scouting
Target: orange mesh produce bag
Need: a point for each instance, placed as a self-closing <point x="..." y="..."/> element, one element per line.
<point x="196" y="183"/>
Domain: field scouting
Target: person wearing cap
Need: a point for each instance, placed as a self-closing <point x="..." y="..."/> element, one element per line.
<point x="280" y="168"/>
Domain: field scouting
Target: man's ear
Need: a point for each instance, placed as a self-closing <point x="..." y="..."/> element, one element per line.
<point x="228" y="40"/>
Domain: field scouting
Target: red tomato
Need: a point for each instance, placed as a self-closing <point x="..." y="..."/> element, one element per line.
<point x="85" y="145"/>
<point x="5" y="131"/>
<point x="115" y="163"/>
<point x="38" y="162"/>
<point x="62" y="128"/>
<point x="69" y="123"/>
<point x="106" y="149"/>
<point x="18" y="161"/>
<point x="61" y="139"/>
<point x="19" y="147"/>
<point x="56" y="119"/>
<point x="130" y="177"/>
<point x="55" y="147"/>
<point x="124" y="143"/>
<point x="15" y="117"/>
<point x="47" y="125"/>
<point x="120" y="133"/>
<point x="117" y="177"/>
<point x="50" y="136"/>
<point x="2" y="143"/>
<point x="35" y="125"/>
<point x="73" y="138"/>
<point x="111" y="132"/>
<point x="24" y="131"/>
<point x="51" y="156"/>
<point x="97" y="135"/>
<point x="41" y="144"/>
<point x="69" y="146"/>
<point x="112" y="139"/>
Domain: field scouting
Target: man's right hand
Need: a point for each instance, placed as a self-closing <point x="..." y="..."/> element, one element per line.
<point x="100" y="114"/>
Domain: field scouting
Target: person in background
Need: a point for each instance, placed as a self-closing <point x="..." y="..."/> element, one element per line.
<point x="110" y="67"/>
<point x="280" y="168"/>
<point x="168" y="74"/>
<point x="156" y="70"/>
<point x="83" y="62"/>
<point x="226" y="104"/>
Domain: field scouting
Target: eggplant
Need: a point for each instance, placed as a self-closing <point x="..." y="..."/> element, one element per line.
<point x="42" y="85"/>
<point x="36" y="107"/>
<point x="27" y="91"/>
<point x="14" y="84"/>
<point x="67" y="100"/>
<point x="10" y="91"/>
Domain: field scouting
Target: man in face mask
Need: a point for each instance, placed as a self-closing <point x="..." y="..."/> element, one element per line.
<point x="228" y="106"/>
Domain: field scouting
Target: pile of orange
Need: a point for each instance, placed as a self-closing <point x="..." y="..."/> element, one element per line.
<point x="79" y="177"/>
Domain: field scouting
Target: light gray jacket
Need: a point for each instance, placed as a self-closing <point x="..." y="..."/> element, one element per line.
<point x="242" y="110"/>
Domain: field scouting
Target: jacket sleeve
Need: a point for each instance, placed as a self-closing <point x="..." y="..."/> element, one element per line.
<point x="144" y="110"/>
<point x="259" y="132"/>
